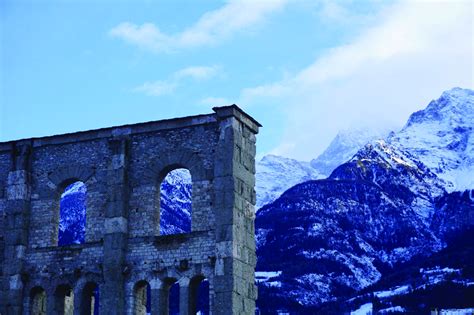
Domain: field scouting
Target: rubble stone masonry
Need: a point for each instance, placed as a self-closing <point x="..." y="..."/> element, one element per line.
<point x="122" y="168"/>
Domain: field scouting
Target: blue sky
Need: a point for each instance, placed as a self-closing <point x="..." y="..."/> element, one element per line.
<point x="304" y="69"/>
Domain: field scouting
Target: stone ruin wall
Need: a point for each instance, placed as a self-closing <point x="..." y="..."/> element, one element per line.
<point x="122" y="168"/>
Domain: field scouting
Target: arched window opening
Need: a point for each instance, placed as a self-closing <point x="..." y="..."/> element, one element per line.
<point x="90" y="299"/>
<point x="38" y="301"/>
<point x="199" y="296"/>
<point x="72" y="215"/>
<point x="176" y="202"/>
<point x="64" y="300"/>
<point x="174" y="299"/>
<point x="142" y="298"/>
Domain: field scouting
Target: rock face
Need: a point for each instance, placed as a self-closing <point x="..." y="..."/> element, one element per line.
<point x="397" y="172"/>
<point x="442" y="137"/>
<point x="454" y="214"/>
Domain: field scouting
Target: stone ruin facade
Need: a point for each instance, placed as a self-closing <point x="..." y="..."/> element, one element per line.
<point x="123" y="252"/>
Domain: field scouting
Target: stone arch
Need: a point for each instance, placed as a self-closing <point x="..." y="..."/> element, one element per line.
<point x="166" y="285"/>
<point x="38" y="301"/>
<point x="198" y="289"/>
<point x="64" y="299"/>
<point x="59" y="180"/>
<point x="200" y="178"/>
<point x="83" y="286"/>
<point x="181" y="158"/>
<point x="89" y="298"/>
<point x="141" y="298"/>
<point x="61" y="177"/>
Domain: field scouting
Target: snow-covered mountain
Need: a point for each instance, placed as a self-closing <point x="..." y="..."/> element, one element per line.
<point x="275" y="174"/>
<point x="395" y="171"/>
<point x="344" y="146"/>
<point x="442" y="137"/>
<point x="385" y="206"/>
<point x="372" y="213"/>
<point x="72" y="218"/>
<point x="175" y="202"/>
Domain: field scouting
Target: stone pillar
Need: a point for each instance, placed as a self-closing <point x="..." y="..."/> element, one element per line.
<point x="234" y="182"/>
<point x="193" y="296"/>
<point x="130" y="292"/>
<point x="51" y="303"/>
<point x="159" y="301"/>
<point x="18" y="192"/>
<point x="116" y="229"/>
<point x="78" y="299"/>
<point x="184" y="298"/>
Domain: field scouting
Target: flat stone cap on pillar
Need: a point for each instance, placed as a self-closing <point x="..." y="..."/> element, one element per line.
<point x="237" y="112"/>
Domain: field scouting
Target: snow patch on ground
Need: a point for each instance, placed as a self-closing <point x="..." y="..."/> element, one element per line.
<point x="395" y="291"/>
<point x="263" y="276"/>
<point x="456" y="311"/>
<point x="392" y="309"/>
<point x="365" y="309"/>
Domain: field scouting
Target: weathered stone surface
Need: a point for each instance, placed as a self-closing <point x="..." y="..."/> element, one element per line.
<point x="122" y="168"/>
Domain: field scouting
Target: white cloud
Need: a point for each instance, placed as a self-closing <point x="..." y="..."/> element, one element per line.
<point x="211" y="28"/>
<point x="214" y="101"/>
<point x="156" y="88"/>
<point x="198" y="73"/>
<point x="414" y="51"/>
<point x="162" y="87"/>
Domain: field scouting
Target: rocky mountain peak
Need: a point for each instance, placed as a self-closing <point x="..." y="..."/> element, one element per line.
<point x="455" y="106"/>
<point x="442" y="137"/>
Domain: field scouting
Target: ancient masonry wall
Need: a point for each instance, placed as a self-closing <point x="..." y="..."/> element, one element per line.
<point x="123" y="168"/>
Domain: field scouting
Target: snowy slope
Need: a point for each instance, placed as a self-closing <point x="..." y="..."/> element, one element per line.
<point x="442" y="137"/>
<point x="175" y="202"/>
<point x="394" y="171"/>
<point x="383" y="207"/>
<point x="275" y="174"/>
<point x="72" y="222"/>
<point x="344" y="146"/>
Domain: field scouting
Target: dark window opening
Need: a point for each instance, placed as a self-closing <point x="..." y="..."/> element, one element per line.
<point x="90" y="299"/>
<point x="72" y="215"/>
<point x="142" y="298"/>
<point x="173" y="299"/>
<point x="38" y="301"/>
<point x="199" y="296"/>
<point x="64" y="300"/>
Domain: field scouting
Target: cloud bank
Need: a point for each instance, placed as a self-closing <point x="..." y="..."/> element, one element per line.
<point x="413" y="52"/>
<point x="162" y="87"/>
<point x="212" y="27"/>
